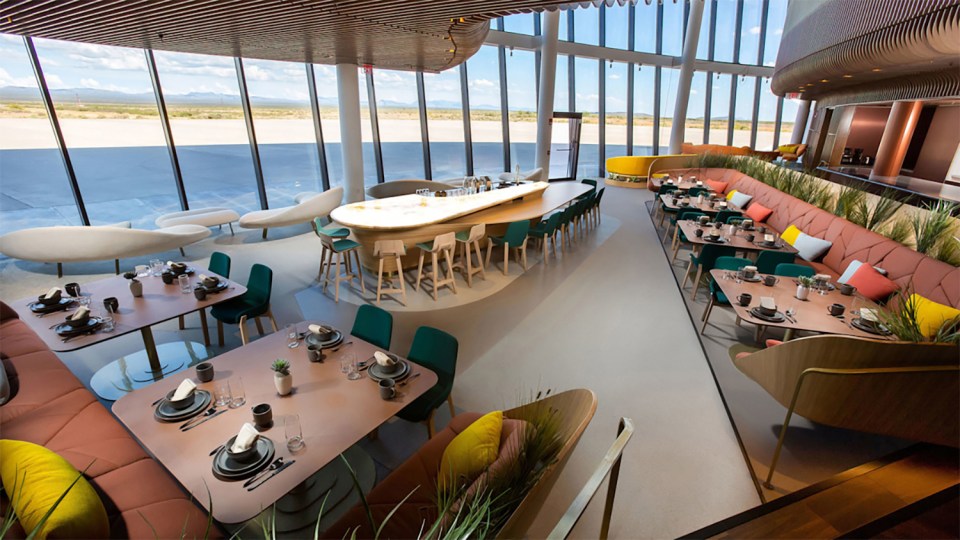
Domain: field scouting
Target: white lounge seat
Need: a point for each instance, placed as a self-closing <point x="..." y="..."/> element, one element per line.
<point x="79" y="244"/>
<point x="395" y="188"/>
<point x="319" y="205"/>
<point x="528" y="176"/>
<point x="207" y="217"/>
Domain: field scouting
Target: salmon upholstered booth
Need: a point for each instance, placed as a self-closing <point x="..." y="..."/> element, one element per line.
<point x="50" y="407"/>
<point x="930" y="278"/>
<point x="720" y="149"/>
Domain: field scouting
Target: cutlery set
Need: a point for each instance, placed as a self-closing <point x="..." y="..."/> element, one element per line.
<point x="209" y="414"/>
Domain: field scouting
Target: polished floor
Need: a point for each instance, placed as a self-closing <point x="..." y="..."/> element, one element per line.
<point x="606" y="316"/>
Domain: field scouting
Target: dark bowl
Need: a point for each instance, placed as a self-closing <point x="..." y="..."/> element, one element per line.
<point x="76" y="323"/>
<point x="178" y="268"/>
<point x="245" y="456"/>
<point x="767" y="311"/>
<point x="211" y="282"/>
<point x="396" y="364"/>
<point x="50" y="301"/>
<point x="181" y="404"/>
<point x="327" y="335"/>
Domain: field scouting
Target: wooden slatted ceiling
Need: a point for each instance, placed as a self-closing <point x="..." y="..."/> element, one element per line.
<point x="394" y="34"/>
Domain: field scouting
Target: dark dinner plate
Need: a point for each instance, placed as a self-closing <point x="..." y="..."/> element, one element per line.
<point x="65" y="330"/>
<point x="221" y="285"/>
<point x="314" y="339"/>
<point x="41" y="308"/>
<point x="164" y="412"/>
<point x="777" y="318"/>
<point x="377" y="373"/>
<point x="719" y="240"/>
<point x="875" y="329"/>
<point x="228" y="469"/>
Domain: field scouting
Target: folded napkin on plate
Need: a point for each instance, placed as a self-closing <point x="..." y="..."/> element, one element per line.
<point x="52" y="292"/>
<point x="868" y="314"/>
<point x="383" y="359"/>
<point x="80" y="313"/>
<point x="319" y="329"/>
<point x="245" y="439"/>
<point x="767" y="302"/>
<point x="185" y="389"/>
<point x="768" y="238"/>
<point x="203" y="277"/>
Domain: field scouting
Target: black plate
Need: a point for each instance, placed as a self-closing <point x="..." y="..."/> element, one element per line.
<point x="769" y="244"/>
<point x="189" y="271"/>
<point x="165" y="413"/>
<point x="778" y="318"/>
<point x="878" y="330"/>
<point x="65" y="330"/>
<point x="221" y="285"/>
<point x="376" y="372"/>
<point x="64" y="303"/>
<point x="225" y="468"/>
<point x="313" y="339"/>
<point x="719" y="239"/>
<point x="754" y="279"/>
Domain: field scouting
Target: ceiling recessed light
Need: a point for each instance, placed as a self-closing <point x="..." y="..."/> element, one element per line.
<point x="848" y="76"/>
<point x="824" y="80"/>
<point x="876" y="70"/>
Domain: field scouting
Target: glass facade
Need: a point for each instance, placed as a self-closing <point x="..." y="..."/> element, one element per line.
<point x="413" y="125"/>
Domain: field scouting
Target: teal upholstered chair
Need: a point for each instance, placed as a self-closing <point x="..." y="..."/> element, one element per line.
<point x="793" y="270"/>
<point x="546" y="230"/>
<point x="678" y="236"/>
<point x="696" y="191"/>
<point x="514" y="238"/>
<point x="375" y="325"/>
<point x="767" y="261"/>
<point x="735" y="219"/>
<point x="704" y="262"/>
<point x="566" y="215"/>
<point x="716" y="295"/>
<point x="253" y="304"/>
<point x="219" y="264"/>
<point x="595" y="208"/>
<point x="437" y="351"/>
<point x="723" y="216"/>
<point x="662" y="208"/>
<point x="583" y="205"/>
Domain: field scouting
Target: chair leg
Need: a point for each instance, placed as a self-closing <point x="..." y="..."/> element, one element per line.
<point x="706" y="315"/>
<point x="60" y="270"/>
<point x="696" y="283"/>
<point x="338" y="278"/>
<point x="416" y="286"/>
<point x="686" y="275"/>
<point x="256" y="320"/>
<point x="469" y="262"/>
<point x="203" y="325"/>
<point x="483" y="269"/>
<point x="403" y="285"/>
<point x="273" y="322"/>
<point x="544" y="247"/>
<point x="379" y="280"/>
<point x="243" y="330"/>
<point x="448" y="255"/>
<point x="231" y="228"/>
<point x="356" y="254"/>
<point x="489" y="251"/>
<point x="450" y="402"/>
<point x="429" y="422"/>
<point x="264" y="234"/>
<point x="220" y="332"/>
<point x="180" y="322"/>
<point x="506" y="258"/>
<point x="116" y="267"/>
<point x="183" y="253"/>
<point x="523" y="255"/>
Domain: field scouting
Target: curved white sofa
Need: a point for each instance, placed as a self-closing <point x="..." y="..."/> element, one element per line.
<point x="80" y="244"/>
<point x="396" y="188"/>
<point x="535" y="175"/>
<point x="320" y="205"/>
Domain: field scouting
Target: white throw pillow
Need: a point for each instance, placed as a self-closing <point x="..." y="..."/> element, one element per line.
<point x="740" y="199"/>
<point x="4" y="386"/>
<point x="848" y="273"/>
<point x="810" y="248"/>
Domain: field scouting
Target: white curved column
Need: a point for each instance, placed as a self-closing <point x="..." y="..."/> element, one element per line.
<point x="351" y="143"/>
<point x="688" y="59"/>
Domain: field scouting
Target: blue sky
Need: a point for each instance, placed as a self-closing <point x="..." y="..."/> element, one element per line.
<point x="78" y="65"/>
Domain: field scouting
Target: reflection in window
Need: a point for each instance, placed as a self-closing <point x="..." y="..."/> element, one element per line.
<point x="561" y="98"/>
<point x="643" y="85"/>
<point x="668" y="100"/>
<point x="586" y="25"/>
<point x="645" y="32"/>
<point x="588" y="103"/>
<point x="673" y="28"/>
<point x="766" y="117"/>
<point x="326" y="79"/>
<point x="719" y="109"/>
<point x="750" y="31"/>
<point x="398" y="115"/>
<point x="703" y="44"/>
<point x="788" y="118"/>
<point x="445" y="124"/>
<point x="726" y="30"/>
<point x="522" y="93"/>
<point x="744" y="111"/>
<point x="617" y="20"/>
<point x="366" y="132"/>
<point x="284" y="127"/>
<point x="521" y="23"/>
<point x="483" y="79"/>
<point x="36" y="191"/>
<point x="616" y="109"/>
<point x="695" y="108"/>
<point x="776" y="17"/>
<point x="111" y="125"/>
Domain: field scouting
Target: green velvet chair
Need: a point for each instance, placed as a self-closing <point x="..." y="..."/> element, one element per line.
<point x="545" y="231"/>
<point x="678" y="236"/>
<point x="590" y="182"/>
<point x="696" y="191"/>
<point x="704" y="262"/>
<point x="437" y="351"/>
<point x="658" y="206"/>
<point x="514" y="238"/>
<point x="566" y="215"/>
<point x="595" y="209"/>
<point x="253" y="304"/>
<point x="219" y="264"/>
<point x="793" y="270"/>
<point x="716" y="295"/>
<point x="723" y="216"/>
<point x="767" y="261"/>
<point x="375" y="325"/>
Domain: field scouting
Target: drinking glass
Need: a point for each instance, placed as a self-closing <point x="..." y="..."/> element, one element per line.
<point x="84" y="301"/>
<point x="293" y="338"/>
<point x="739" y="277"/>
<point x="237" y="396"/>
<point x="142" y="270"/>
<point x="184" y="281"/>
<point x="107" y="323"/>
<point x="344" y="364"/>
<point x="293" y="433"/>
<point x="353" y="369"/>
<point x="221" y="393"/>
<point x="156" y="267"/>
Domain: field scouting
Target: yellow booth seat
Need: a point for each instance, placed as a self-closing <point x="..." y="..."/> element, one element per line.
<point x="632" y="171"/>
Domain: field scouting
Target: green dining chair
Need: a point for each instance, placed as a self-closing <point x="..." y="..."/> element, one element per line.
<point x="580" y="221"/>
<point x="566" y="215"/>
<point x="678" y="236"/>
<point x="659" y="207"/>
<point x="253" y="304"/>
<point x="595" y="209"/>
<point x="704" y="262"/>
<point x="515" y="238"/>
<point x="716" y="294"/>
<point x="696" y="191"/>
<point x="435" y="350"/>
<point x="768" y="260"/>
<point x="373" y="324"/>
<point x="219" y="264"/>
<point x="724" y="215"/>
<point x="546" y="231"/>
<point x="793" y="270"/>
<point x="735" y="219"/>
<point x="590" y="182"/>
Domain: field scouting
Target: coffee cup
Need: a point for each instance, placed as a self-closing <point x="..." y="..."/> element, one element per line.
<point x="749" y="271"/>
<point x="745" y="299"/>
<point x="762" y="229"/>
<point x="750" y="238"/>
<point x="167" y="277"/>
<point x="698" y="233"/>
<point x="836" y="309"/>
<point x="388" y="389"/>
<point x="205" y="371"/>
<point x="263" y="416"/>
<point x="111" y="304"/>
<point x="703" y="220"/>
<point x="200" y="293"/>
<point x="73" y="289"/>
<point x="770" y="281"/>
<point x="315" y="353"/>
<point x="847" y="290"/>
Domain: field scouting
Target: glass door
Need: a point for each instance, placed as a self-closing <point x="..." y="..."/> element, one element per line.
<point x="564" y="146"/>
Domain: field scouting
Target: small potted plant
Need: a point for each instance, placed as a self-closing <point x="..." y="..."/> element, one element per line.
<point x="803" y="287"/>
<point x="281" y="376"/>
<point x="136" y="288"/>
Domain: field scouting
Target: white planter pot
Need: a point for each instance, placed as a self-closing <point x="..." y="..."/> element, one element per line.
<point x="284" y="383"/>
<point x="136" y="288"/>
<point x="802" y="292"/>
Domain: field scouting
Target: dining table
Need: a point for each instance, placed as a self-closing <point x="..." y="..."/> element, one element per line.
<point x="158" y="302"/>
<point x="705" y="206"/>
<point x="681" y="184"/>
<point x="333" y="413"/>
<point x="739" y="239"/>
<point x="810" y="315"/>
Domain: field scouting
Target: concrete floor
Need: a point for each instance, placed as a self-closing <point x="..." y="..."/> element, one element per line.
<point x="607" y="316"/>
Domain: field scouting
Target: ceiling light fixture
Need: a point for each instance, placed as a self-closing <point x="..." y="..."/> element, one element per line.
<point x="848" y="76"/>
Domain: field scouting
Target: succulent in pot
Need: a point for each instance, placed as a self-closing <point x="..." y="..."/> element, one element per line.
<point x="136" y="288"/>
<point x="803" y="287"/>
<point x="282" y="378"/>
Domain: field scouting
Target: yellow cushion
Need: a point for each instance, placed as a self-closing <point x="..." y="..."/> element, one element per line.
<point x="472" y="451"/>
<point x="788" y="148"/>
<point x="790" y="234"/>
<point x="34" y="478"/>
<point x="730" y="194"/>
<point x="931" y="315"/>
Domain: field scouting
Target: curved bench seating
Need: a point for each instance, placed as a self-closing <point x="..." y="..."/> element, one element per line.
<point x="319" y="205"/>
<point x="396" y="188"/>
<point x="207" y="217"/>
<point x="534" y="175"/>
<point x="633" y="171"/>
<point x="65" y="244"/>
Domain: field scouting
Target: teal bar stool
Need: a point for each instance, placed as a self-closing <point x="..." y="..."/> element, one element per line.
<point x="435" y="350"/>
<point x="767" y="261"/>
<point x="716" y="295"/>
<point x="793" y="270"/>
<point x="339" y="252"/>
<point x="219" y="264"/>
<point x="253" y="304"/>
<point x="546" y="231"/>
<point x="704" y="262"/>
<point x="374" y="325"/>
<point x="322" y="232"/>
<point x="516" y="239"/>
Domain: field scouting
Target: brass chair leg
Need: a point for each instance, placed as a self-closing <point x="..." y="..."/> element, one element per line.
<point x="429" y="422"/>
<point x="256" y="320"/>
<point x="706" y="315"/>
<point x="450" y="402"/>
<point x="243" y="330"/>
<point x="506" y="259"/>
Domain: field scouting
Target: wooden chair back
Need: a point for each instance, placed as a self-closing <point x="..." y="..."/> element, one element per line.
<point x="389" y="248"/>
<point x="444" y="242"/>
<point x="477" y="232"/>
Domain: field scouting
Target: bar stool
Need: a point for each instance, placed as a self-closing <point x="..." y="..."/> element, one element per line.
<point x="470" y="245"/>
<point x="331" y="232"/>
<point x="390" y="249"/>
<point x="443" y="244"/>
<point x="339" y="253"/>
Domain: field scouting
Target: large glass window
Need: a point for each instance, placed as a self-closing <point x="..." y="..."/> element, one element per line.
<point x="766" y="117"/>
<point x="284" y="127"/>
<point x="398" y="115"/>
<point x="588" y="103"/>
<point x="750" y="31"/>
<point x="445" y="124"/>
<point x="366" y="133"/>
<point x="586" y="25"/>
<point x="36" y="192"/>
<point x="645" y="31"/>
<point x="703" y="44"/>
<point x="522" y="94"/>
<point x="617" y="21"/>
<point x="726" y="30"/>
<point x="643" y="85"/>
<point x="522" y="23"/>
<point x="719" y="109"/>
<point x="788" y="118"/>
<point x="668" y="99"/>
<point x="326" y="79"/>
<point x="616" y="109"/>
<point x="776" y="17"/>
<point x="483" y="79"/>
<point x="673" y="28"/>
<point x="561" y="98"/>
<point x="111" y="125"/>
<point x="743" y="115"/>
<point x="695" y="108"/>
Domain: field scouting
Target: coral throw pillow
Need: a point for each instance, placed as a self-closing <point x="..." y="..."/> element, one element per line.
<point x="716" y="185"/>
<point x="471" y="452"/>
<point x="872" y="284"/>
<point x="758" y="212"/>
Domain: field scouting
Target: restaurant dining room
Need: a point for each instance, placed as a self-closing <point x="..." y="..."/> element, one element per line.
<point x="485" y="269"/>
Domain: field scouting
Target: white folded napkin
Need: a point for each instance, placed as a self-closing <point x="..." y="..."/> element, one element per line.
<point x="169" y="263"/>
<point x="52" y="292"/>
<point x="245" y="439"/>
<point x="185" y="389"/>
<point x="80" y="313"/>
<point x="868" y="314"/>
<point x="203" y="277"/>
<point x="767" y="302"/>
<point x="768" y="238"/>
<point x="721" y="204"/>
<point x="383" y="359"/>
<point x="318" y="328"/>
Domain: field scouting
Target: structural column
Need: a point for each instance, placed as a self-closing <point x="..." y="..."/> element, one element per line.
<point x="896" y="137"/>
<point x="800" y="124"/>
<point x="677" y="131"/>
<point x="351" y="144"/>
<point x="548" y="82"/>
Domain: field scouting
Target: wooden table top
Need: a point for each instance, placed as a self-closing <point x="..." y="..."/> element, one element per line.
<point x="686" y="184"/>
<point x="334" y="414"/>
<point x="738" y="240"/>
<point x="704" y="207"/>
<point x="160" y="302"/>
<point x="556" y="195"/>
<point x="811" y="314"/>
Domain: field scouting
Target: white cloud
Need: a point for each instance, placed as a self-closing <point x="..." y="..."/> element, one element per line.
<point x="754" y="30"/>
<point x="6" y="79"/>
<point x="481" y="83"/>
<point x="614" y="77"/>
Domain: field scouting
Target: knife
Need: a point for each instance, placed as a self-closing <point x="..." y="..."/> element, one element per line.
<point x="212" y="416"/>
<point x="276" y="472"/>
<point x="277" y="463"/>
